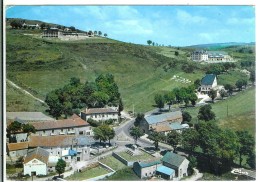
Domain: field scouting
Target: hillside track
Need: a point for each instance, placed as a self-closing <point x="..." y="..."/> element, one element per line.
<point x="23" y="90"/>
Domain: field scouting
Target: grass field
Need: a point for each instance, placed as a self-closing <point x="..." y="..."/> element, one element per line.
<point x="126" y="174"/>
<point x="21" y="102"/>
<point x="113" y="163"/>
<point x="87" y="174"/>
<point x="143" y="156"/>
<point x="241" y="111"/>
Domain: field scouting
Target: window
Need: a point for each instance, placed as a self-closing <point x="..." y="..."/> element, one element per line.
<point x="103" y="115"/>
<point x="88" y="133"/>
<point x="43" y="131"/>
<point x="61" y="129"/>
<point x="81" y="132"/>
<point x="52" y="131"/>
<point x="66" y="157"/>
<point x="58" y="152"/>
<point x="95" y="116"/>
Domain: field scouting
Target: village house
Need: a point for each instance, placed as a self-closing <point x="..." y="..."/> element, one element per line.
<point x="171" y="167"/>
<point x="16" y="150"/>
<point x="208" y="82"/>
<point x="64" y="145"/>
<point x="177" y="162"/>
<point x="35" y="162"/>
<point x="161" y="122"/>
<point x="146" y="169"/>
<point x="72" y="126"/>
<point x="99" y="114"/>
<point x="199" y="55"/>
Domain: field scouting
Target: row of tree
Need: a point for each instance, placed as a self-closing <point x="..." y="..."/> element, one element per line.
<point x="75" y="96"/>
<point x="149" y="42"/>
<point x="177" y="95"/>
<point x="219" y="146"/>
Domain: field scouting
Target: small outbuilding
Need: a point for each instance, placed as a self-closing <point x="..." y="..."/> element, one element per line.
<point x="36" y="162"/>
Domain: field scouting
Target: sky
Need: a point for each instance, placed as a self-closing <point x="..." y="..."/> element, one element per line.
<point x="168" y="25"/>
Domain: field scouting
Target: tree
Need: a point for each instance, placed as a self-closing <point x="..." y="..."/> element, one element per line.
<point x="186" y="116"/>
<point x="153" y="43"/>
<point x="173" y="139"/>
<point x="138" y="119"/>
<point x="251" y="160"/>
<point x="170" y="99"/>
<point x="212" y="94"/>
<point x="205" y="113"/>
<point x="229" y="88"/>
<point x="12" y="129"/>
<point x="176" y="53"/>
<point x="149" y="42"/>
<point x="252" y="76"/>
<point x="103" y="133"/>
<point x="136" y="133"/>
<point x="95" y="32"/>
<point x="193" y="161"/>
<point x="239" y="84"/>
<point x="247" y="143"/>
<point x="120" y="107"/>
<point x="99" y="33"/>
<point x="43" y="25"/>
<point x="72" y="28"/>
<point x="156" y="137"/>
<point x="159" y="100"/>
<point x="220" y="146"/>
<point x="28" y="128"/>
<point x="110" y="133"/>
<point x="99" y="135"/>
<point x="105" y="34"/>
<point x="190" y="139"/>
<point x="222" y="93"/>
<point x="55" y="107"/>
<point x="74" y="81"/>
<point x="60" y="166"/>
<point x="197" y="83"/>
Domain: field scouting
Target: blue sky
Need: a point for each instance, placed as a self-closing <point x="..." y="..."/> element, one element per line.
<point x="168" y="25"/>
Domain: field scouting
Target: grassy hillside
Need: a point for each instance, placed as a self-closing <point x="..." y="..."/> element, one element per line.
<point x="41" y="66"/>
<point x="237" y="112"/>
<point x="18" y="101"/>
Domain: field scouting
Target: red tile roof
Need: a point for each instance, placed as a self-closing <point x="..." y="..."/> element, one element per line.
<point x="74" y="121"/>
<point x="162" y="127"/>
<point x="17" y="146"/>
<point x="38" y="153"/>
<point x="51" y="141"/>
<point x="100" y="111"/>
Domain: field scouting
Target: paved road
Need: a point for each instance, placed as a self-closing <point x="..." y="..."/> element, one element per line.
<point x="196" y="176"/>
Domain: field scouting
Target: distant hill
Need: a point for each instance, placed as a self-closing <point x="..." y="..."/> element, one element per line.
<point x="220" y="45"/>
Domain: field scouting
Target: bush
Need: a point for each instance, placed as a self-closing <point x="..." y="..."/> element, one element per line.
<point x="93" y="123"/>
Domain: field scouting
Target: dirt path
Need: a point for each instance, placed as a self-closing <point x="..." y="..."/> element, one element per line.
<point x="26" y="92"/>
<point x="196" y="176"/>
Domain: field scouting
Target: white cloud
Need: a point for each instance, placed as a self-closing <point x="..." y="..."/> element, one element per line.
<point x="185" y="18"/>
<point x="239" y="21"/>
<point x="137" y="27"/>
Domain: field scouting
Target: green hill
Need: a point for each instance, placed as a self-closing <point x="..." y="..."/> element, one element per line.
<point x="41" y="65"/>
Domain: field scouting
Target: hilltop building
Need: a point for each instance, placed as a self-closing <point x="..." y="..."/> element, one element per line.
<point x="208" y="82"/>
<point x="210" y="56"/>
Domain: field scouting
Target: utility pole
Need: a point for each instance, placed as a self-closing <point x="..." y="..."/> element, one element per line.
<point x="133" y="110"/>
<point x="227" y="109"/>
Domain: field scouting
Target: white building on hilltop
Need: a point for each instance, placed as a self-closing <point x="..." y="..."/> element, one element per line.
<point x="210" y="56"/>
